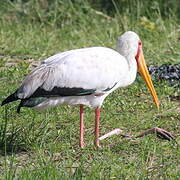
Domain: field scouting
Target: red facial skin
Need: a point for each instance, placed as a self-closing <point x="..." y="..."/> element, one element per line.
<point x="139" y="50"/>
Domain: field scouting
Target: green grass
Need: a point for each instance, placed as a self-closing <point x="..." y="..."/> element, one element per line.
<point x="44" y="145"/>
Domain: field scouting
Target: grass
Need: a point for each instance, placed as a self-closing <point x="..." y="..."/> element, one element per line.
<point x="37" y="145"/>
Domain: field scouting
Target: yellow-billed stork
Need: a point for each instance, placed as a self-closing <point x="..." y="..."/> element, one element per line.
<point x="84" y="77"/>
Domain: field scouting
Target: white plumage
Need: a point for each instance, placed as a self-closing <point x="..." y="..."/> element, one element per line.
<point x="83" y="77"/>
<point x="95" y="68"/>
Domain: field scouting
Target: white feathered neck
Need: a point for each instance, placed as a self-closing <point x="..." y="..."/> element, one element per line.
<point x="127" y="46"/>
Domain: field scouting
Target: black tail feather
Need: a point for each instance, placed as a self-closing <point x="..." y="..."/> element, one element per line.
<point x="11" y="98"/>
<point x="19" y="107"/>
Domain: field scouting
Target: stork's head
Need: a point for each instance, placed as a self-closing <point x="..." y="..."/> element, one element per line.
<point x="130" y="43"/>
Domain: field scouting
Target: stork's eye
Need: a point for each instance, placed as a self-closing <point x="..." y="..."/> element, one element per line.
<point x="138" y="50"/>
<point x="139" y="43"/>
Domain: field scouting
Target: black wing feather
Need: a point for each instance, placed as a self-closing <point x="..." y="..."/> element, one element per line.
<point x="62" y="91"/>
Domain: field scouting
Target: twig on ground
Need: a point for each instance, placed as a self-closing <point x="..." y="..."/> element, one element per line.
<point x="161" y="133"/>
<point x="115" y="131"/>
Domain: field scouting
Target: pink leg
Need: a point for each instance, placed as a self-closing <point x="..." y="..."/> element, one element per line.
<point x="81" y="139"/>
<point x="97" y="118"/>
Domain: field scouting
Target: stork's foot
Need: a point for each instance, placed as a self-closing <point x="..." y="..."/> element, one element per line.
<point x="81" y="145"/>
<point x="161" y="133"/>
<point x="98" y="146"/>
<point x="96" y="143"/>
